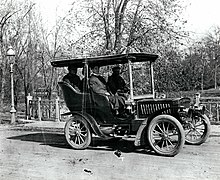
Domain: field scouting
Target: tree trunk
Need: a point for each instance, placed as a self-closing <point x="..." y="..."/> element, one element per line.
<point x="216" y="76"/>
<point x="132" y="29"/>
<point x="2" y="86"/>
<point x="3" y="67"/>
<point x="119" y="16"/>
<point x="105" y="17"/>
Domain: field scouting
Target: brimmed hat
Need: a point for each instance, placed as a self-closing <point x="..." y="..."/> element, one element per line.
<point x="71" y="67"/>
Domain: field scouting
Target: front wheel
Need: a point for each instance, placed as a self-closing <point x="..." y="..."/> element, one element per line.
<point x="77" y="132"/>
<point x="166" y="135"/>
<point x="197" y="129"/>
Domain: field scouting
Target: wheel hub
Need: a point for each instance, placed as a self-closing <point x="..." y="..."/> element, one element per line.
<point x="191" y="126"/>
<point x="78" y="131"/>
<point x="165" y="136"/>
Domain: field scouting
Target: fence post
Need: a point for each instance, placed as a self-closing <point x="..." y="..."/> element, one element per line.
<point x="197" y="99"/>
<point x="217" y="112"/>
<point x="29" y="98"/>
<point x="39" y="108"/>
<point x="57" y="119"/>
<point x="210" y="111"/>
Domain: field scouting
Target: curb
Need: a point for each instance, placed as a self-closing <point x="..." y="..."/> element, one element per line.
<point x="51" y="126"/>
<point x="215" y="130"/>
<point x="33" y="125"/>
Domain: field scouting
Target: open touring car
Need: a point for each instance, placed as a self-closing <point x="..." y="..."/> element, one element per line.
<point x="164" y="124"/>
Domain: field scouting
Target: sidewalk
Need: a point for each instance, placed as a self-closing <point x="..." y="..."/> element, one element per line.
<point x="49" y="126"/>
<point x="215" y="130"/>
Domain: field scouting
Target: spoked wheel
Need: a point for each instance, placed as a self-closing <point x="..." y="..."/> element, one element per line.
<point x="77" y="132"/>
<point x="197" y="129"/>
<point x="166" y="135"/>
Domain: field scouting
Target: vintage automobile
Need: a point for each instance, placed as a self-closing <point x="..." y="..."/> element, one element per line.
<point x="163" y="124"/>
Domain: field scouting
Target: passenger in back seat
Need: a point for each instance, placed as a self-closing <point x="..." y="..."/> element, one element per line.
<point x="98" y="85"/>
<point x="72" y="78"/>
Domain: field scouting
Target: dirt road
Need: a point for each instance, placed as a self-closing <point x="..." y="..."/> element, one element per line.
<point x="46" y="156"/>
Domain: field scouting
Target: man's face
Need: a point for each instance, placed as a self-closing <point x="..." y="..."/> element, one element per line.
<point x="95" y="69"/>
<point x="116" y="71"/>
<point x="73" y="71"/>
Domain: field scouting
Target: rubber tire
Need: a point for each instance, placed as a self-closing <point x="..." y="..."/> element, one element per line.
<point x="205" y="135"/>
<point x="175" y="123"/>
<point x="85" y="127"/>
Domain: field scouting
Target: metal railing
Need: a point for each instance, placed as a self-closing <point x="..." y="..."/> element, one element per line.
<point x="212" y="105"/>
<point x="42" y="109"/>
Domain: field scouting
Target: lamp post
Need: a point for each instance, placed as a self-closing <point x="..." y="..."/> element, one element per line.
<point x="11" y="55"/>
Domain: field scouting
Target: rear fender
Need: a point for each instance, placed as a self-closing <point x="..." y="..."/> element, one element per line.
<point x="66" y="114"/>
<point x="93" y="124"/>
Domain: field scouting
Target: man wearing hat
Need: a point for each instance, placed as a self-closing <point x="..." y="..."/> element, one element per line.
<point x="72" y="78"/>
<point x="99" y="86"/>
<point x="116" y="83"/>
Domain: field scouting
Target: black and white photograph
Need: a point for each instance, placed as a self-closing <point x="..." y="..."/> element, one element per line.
<point x="109" y="89"/>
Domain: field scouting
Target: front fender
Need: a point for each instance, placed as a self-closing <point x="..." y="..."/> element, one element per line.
<point x="200" y="109"/>
<point x="199" y="112"/>
<point x="140" y="133"/>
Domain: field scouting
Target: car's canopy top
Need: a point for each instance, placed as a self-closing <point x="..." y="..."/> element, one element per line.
<point x="106" y="60"/>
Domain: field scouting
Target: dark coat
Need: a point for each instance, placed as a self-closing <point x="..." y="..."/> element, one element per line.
<point x="116" y="83"/>
<point x="74" y="80"/>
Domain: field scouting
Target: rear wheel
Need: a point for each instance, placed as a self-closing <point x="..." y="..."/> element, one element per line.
<point x="197" y="129"/>
<point x="166" y="135"/>
<point x="77" y="132"/>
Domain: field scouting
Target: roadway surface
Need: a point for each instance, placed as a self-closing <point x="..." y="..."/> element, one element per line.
<point x="44" y="155"/>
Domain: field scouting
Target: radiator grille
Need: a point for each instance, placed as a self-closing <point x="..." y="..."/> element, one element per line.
<point x="145" y="109"/>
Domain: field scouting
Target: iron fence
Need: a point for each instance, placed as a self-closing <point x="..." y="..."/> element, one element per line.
<point x="46" y="110"/>
<point x="42" y="109"/>
<point x="212" y="107"/>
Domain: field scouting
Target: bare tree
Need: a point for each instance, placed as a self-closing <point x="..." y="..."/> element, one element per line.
<point x="213" y="43"/>
<point x="7" y="12"/>
<point x="114" y="25"/>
